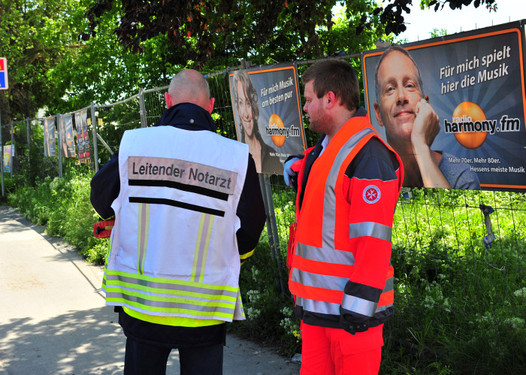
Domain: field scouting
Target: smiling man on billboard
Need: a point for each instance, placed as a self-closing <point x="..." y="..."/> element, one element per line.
<point x="411" y="125"/>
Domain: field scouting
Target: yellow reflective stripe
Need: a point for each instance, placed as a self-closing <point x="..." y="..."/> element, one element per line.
<point x="164" y="301"/>
<point x="209" y="226"/>
<point x="142" y="238"/>
<point x="174" y="310"/>
<point x="158" y="296"/>
<point x="246" y="255"/>
<point x="177" y="321"/>
<point x="158" y="283"/>
<point x="202" y="246"/>
<point x="183" y="293"/>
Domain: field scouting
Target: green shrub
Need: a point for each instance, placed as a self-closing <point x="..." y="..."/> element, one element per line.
<point x="268" y="307"/>
<point x="63" y="205"/>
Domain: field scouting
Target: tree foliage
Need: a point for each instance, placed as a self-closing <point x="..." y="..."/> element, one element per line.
<point x="33" y="37"/>
<point x="102" y="70"/>
<point x="226" y="30"/>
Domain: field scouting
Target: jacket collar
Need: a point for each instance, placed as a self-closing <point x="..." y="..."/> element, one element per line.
<point x="360" y="112"/>
<point x="187" y="116"/>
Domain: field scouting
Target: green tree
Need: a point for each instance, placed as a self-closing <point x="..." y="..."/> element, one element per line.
<point x="223" y="32"/>
<point x="33" y="37"/>
<point x="101" y="70"/>
<point x="220" y="33"/>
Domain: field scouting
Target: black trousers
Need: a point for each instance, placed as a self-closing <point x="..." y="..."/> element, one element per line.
<point x="147" y="359"/>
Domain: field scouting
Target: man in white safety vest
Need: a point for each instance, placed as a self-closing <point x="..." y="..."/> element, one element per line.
<point x="188" y="210"/>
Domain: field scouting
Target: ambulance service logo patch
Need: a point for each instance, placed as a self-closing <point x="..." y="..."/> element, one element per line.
<point x="371" y="194"/>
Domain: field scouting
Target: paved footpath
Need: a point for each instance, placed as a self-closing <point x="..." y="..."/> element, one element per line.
<point x="53" y="319"/>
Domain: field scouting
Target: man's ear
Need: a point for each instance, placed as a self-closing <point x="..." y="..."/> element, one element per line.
<point x="331" y="99"/>
<point x="168" y="99"/>
<point x="377" y="114"/>
<point x="210" y="107"/>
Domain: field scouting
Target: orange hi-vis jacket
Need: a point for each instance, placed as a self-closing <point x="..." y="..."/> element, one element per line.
<point x="341" y="263"/>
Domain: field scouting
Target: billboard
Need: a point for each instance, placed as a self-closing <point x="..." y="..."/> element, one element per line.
<point x="49" y="137"/>
<point x="458" y="100"/>
<point x="8" y="151"/>
<point x="267" y="113"/>
<point x="83" y="143"/>
<point x="65" y="125"/>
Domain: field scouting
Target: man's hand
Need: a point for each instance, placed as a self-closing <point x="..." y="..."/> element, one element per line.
<point x="289" y="175"/>
<point x="425" y="130"/>
<point x="426" y="125"/>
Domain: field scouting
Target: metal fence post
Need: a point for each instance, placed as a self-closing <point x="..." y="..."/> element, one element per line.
<point x="59" y="146"/>
<point x="28" y="132"/>
<point x="272" y="228"/>
<point x="142" y="109"/>
<point x="94" y="131"/>
<point x="13" y="147"/>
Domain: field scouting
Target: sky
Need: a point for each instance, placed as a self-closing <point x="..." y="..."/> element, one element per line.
<point x="420" y="23"/>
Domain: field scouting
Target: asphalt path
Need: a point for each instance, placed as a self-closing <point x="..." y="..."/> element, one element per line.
<point x="53" y="319"/>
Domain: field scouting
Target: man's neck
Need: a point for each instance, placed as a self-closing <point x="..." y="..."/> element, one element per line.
<point x="340" y="118"/>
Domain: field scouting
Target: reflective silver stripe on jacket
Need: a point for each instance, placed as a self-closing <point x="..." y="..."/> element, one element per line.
<point x="327" y="307"/>
<point x="363" y="306"/>
<point x="329" y="198"/>
<point x="319" y="281"/>
<point x="318" y="306"/>
<point x="359" y="305"/>
<point x="370" y="229"/>
<point x="325" y="255"/>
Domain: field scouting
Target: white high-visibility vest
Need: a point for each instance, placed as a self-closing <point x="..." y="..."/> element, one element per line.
<point x="173" y="246"/>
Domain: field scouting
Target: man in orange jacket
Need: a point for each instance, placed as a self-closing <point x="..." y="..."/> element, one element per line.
<point x="347" y="188"/>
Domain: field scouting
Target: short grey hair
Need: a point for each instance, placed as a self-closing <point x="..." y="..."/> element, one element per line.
<point x="384" y="55"/>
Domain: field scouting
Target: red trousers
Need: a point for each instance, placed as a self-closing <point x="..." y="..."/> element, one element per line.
<point x="333" y="351"/>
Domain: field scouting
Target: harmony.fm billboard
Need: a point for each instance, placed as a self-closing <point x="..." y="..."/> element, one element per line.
<point x="267" y="113"/>
<point x="454" y="108"/>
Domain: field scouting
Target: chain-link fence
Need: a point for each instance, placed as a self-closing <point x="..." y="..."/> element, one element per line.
<point x="439" y="236"/>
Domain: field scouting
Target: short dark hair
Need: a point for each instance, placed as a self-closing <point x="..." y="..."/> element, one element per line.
<point x="403" y="51"/>
<point x="337" y="76"/>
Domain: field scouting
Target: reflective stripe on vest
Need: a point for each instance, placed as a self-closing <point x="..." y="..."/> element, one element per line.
<point x="148" y="294"/>
<point x="201" y="247"/>
<point x="142" y="238"/>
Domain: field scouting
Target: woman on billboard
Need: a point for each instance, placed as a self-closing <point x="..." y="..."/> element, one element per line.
<point x="246" y="101"/>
